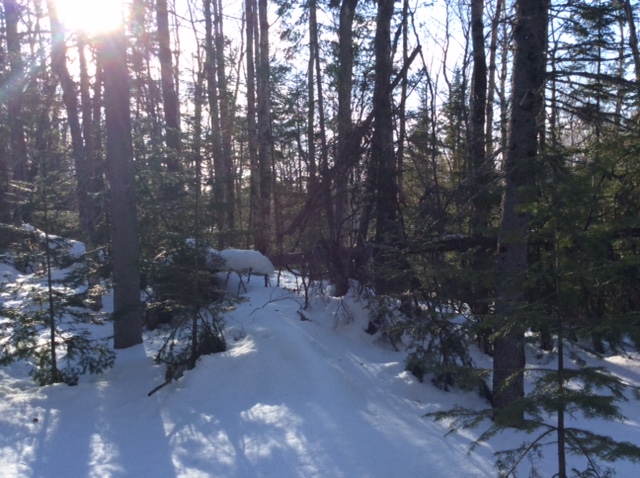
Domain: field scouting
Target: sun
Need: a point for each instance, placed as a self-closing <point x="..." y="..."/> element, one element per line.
<point x="90" y="16"/>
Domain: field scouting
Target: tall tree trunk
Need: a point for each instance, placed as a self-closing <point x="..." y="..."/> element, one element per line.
<point x="319" y="182"/>
<point x="527" y="103"/>
<point x="91" y="131"/>
<point x="402" y="107"/>
<point x="86" y="205"/>
<point x="265" y="142"/>
<point x="252" y="132"/>
<point x="480" y="168"/>
<point x="633" y="38"/>
<point x="491" y="88"/>
<point x="311" y="110"/>
<point x="324" y="148"/>
<point x="502" y="92"/>
<point x="170" y="101"/>
<point x="216" y="136"/>
<point x="226" y="123"/>
<point x="127" y="325"/>
<point x="389" y="230"/>
<point x="96" y="127"/>
<point x="14" y="98"/>
<point x="346" y="146"/>
<point x="5" y="211"/>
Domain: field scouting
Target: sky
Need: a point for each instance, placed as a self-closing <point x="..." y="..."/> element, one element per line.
<point x="299" y="393"/>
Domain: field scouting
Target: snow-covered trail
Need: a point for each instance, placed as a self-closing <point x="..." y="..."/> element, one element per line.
<point x="304" y="398"/>
<point x="290" y="398"/>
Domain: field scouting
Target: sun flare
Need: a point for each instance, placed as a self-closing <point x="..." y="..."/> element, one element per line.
<point x="90" y="16"/>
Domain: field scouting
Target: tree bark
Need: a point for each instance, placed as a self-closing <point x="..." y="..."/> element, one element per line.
<point x="402" y="107"/>
<point x="252" y="131"/>
<point x="219" y="183"/>
<point x="346" y="148"/>
<point x="226" y="123"/>
<point x="311" y="109"/>
<point x="480" y="168"/>
<point x="127" y="325"/>
<point x="5" y="211"/>
<point x="491" y="87"/>
<point x="527" y="105"/>
<point x="169" y="95"/>
<point x="86" y="205"/>
<point x="389" y="230"/>
<point x="633" y="38"/>
<point x="18" y="144"/>
<point x="265" y="141"/>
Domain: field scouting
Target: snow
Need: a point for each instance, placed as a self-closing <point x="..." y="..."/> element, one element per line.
<point x="289" y="398"/>
<point x="74" y="249"/>
<point x="240" y="260"/>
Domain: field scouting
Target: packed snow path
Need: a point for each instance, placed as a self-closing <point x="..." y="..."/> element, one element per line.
<point x="290" y="398"/>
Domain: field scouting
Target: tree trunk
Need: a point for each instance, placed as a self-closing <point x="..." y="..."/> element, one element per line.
<point x="169" y="95"/>
<point x="127" y="325"/>
<point x="18" y="164"/>
<point x="324" y="148"/>
<point x="252" y="132"/>
<point x="491" y="88"/>
<point x="265" y="142"/>
<point x="226" y="123"/>
<point x="311" y="110"/>
<point x="5" y="211"/>
<point x="86" y="206"/>
<point x="92" y="147"/>
<point x="219" y="195"/>
<point x="389" y="230"/>
<point x="527" y="105"/>
<point x="480" y="168"/>
<point x="633" y="38"/>
<point x="402" y="107"/>
<point x="346" y="146"/>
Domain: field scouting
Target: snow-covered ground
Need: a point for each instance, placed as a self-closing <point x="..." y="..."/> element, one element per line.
<point x="317" y="397"/>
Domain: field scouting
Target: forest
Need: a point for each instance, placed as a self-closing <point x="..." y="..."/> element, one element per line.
<point x="473" y="157"/>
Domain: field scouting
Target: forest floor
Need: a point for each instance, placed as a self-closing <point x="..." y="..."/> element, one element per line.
<point x="295" y="395"/>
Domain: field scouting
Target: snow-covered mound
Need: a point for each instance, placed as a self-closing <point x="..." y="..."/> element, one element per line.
<point x="73" y="249"/>
<point x="241" y="260"/>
